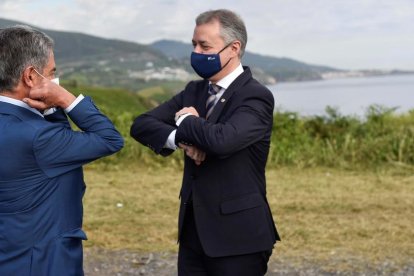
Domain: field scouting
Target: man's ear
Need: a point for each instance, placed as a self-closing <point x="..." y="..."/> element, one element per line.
<point x="29" y="76"/>
<point x="236" y="47"/>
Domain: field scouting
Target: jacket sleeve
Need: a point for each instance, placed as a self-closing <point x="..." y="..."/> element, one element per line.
<point x="59" y="149"/>
<point x="249" y="123"/>
<point x="153" y="128"/>
<point x="59" y="116"/>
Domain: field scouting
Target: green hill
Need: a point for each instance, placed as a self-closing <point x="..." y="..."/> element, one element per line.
<point x="97" y="61"/>
<point x="92" y="60"/>
<point x="112" y="102"/>
<point x="282" y="69"/>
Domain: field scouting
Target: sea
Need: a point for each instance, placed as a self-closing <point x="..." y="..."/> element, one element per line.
<point x="349" y="96"/>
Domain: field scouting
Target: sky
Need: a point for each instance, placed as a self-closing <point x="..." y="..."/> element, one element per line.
<point x="346" y="34"/>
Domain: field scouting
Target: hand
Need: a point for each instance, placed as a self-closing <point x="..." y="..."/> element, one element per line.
<point x="186" y="110"/>
<point x="47" y="95"/>
<point x="194" y="153"/>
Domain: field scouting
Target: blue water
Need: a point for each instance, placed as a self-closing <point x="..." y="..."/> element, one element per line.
<point x="350" y="96"/>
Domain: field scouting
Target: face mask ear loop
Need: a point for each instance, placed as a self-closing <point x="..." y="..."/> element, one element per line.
<point x="226" y="64"/>
<point x="224" y="47"/>
<point x="39" y="73"/>
<point x="222" y="51"/>
<point x="55" y="80"/>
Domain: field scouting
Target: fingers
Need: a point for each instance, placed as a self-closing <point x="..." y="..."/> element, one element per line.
<point x="200" y="157"/>
<point x="203" y="156"/>
<point x="39" y="97"/>
<point x="193" y="111"/>
<point x="39" y="91"/>
<point x="39" y="105"/>
<point x="194" y="153"/>
<point x="51" y="95"/>
<point x="185" y="110"/>
<point x="182" y="146"/>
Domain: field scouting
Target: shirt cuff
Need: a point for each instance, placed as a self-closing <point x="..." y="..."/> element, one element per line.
<point x="179" y="121"/>
<point x="49" y="111"/>
<point x="170" y="143"/>
<point x="75" y="103"/>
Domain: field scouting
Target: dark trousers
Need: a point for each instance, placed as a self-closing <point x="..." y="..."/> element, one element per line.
<point x="192" y="261"/>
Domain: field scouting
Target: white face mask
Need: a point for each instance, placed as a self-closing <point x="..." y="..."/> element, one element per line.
<point x="55" y="80"/>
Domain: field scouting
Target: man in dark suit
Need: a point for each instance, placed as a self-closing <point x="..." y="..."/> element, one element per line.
<point x="224" y="124"/>
<point x="41" y="158"/>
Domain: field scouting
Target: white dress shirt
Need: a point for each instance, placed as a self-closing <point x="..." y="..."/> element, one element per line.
<point x="47" y="112"/>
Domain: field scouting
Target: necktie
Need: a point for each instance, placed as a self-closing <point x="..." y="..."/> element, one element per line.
<point x="213" y="89"/>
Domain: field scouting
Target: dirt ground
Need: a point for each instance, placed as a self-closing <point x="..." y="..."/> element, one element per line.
<point x="122" y="262"/>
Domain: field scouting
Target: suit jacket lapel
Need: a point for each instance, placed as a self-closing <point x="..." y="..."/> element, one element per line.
<point x="236" y="84"/>
<point x="201" y="101"/>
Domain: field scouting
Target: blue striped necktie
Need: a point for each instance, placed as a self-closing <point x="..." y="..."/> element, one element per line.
<point x="213" y="89"/>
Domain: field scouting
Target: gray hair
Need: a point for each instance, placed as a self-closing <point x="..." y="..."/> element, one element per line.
<point x="232" y="26"/>
<point x="20" y="47"/>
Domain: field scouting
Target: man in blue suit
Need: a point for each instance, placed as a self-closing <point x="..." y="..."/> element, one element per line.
<point x="41" y="158"/>
<point x="224" y="124"/>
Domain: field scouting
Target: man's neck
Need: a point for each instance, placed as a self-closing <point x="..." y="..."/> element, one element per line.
<point x="230" y="78"/>
<point x="12" y="95"/>
<point x="231" y="66"/>
<point x="18" y="102"/>
<point x="17" y="93"/>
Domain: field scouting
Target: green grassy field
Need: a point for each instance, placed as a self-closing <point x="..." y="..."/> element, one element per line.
<point x="320" y="213"/>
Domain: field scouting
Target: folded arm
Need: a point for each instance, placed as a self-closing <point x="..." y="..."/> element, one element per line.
<point x="248" y="124"/>
<point x="153" y="128"/>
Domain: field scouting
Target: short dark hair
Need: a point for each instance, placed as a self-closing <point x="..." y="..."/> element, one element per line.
<point x="232" y="26"/>
<point x="21" y="46"/>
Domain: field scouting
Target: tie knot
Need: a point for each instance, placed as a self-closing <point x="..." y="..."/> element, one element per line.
<point x="213" y="89"/>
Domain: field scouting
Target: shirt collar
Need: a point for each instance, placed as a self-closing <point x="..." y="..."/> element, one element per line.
<point x="19" y="103"/>
<point x="227" y="80"/>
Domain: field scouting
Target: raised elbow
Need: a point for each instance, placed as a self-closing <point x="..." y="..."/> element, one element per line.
<point x="116" y="143"/>
<point x="119" y="143"/>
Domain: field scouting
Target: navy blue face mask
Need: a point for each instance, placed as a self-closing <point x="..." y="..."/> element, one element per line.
<point x="207" y="65"/>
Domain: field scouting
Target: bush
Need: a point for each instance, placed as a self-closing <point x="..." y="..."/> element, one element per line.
<point x="333" y="140"/>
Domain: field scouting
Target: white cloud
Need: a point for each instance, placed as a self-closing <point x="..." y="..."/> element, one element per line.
<point x="346" y="34"/>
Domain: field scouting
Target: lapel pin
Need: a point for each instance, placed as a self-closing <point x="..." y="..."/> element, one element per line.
<point x="223" y="100"/>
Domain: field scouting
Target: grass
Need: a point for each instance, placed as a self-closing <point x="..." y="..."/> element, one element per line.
<point x="325" y="213"/>
<point x="321" y="213"/>
<point x="147" y="219"/>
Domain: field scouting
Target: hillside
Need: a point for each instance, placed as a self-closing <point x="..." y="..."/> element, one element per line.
<point x="111" y="101"/>
<point x="280" y="69"/>
<point x="92" y="60"/>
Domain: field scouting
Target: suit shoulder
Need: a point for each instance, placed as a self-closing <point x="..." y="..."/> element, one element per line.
<point x="22" y="132"/>
<point x="38" y="128"/>
<point x="259" y="90"/>
<point x="258" y="86"/>
<point x="38" y="125"/>
<point x="194" y="85"/>
<point x="31" y="125"/>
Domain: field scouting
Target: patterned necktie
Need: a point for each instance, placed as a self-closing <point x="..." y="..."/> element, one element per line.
<point x="213" y="89"/>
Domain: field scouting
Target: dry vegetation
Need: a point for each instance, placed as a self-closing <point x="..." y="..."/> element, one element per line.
<point x="321" y="214"/>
